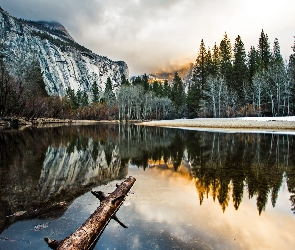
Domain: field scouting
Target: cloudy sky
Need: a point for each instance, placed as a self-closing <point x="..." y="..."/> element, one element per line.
<point x="155" y="35"/>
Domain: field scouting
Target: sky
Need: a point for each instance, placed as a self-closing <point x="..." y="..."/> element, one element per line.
<point x="153" y="36"/>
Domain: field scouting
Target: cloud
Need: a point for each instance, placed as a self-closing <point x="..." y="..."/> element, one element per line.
<point x="152" y="34"/>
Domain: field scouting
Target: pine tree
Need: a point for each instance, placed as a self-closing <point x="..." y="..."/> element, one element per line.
<point x="253" y="62"/>
<point x="34" y="79"/>
<point x="109" y="95"/>
<point x="178" y="94"/>
<point x="291" y="74"/>
<point x="264" y="51"/>
<point x="124" y="80"/>
<point x="215" y="61"/>
<point x="166" y="89"/>
<point x="95" y="93"/>
<point x="84" y="99"/>
<point x="193" y="100"/>
<point x="137" y="81"/>
<point x="70" y="94"/>
<point x="240" y="70"/>
<point x="225" y="59"/>
<point x="209" y="63"/>
<point x="200" y="71"/>
<point x="276" y="57"/>
<point x="145" y="83"/>
<point x="157" y="88"/>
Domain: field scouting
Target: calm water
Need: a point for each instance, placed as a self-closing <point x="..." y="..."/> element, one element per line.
<point x="194" y="190"/>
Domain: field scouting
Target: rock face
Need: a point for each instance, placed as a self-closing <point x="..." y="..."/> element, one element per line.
<point x="64" y="63"/>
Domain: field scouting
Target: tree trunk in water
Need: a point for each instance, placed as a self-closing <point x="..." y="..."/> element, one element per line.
<point x="86" y="236"/>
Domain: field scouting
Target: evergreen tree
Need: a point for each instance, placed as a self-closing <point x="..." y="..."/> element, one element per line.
<point x="276" y="57"/>
<point x="215" y="61"/>
<point x="34" y="79"/>
<point x="95" y="93"/>
<point x="124" y="80"/>
<point x="200" y="71"/>
<point x="209" y="64"/>
<point x="166" y="89"/>
<point x="178" y="94"/>
<point x="157" y="88"/>
<point x="264" y="51"/>
<point x="137" y="81"/>
<point x="240" y="70"/>
<point x="193" y="100"/>
<point x="84" y="99"/>
<point x="291" y="74"/>
<point x="253" y="62"/>
<point x="109" y="95"/>
<point x="225" y="59"/>
<point x="145" y="83"/>
<point x="70" y="94"/>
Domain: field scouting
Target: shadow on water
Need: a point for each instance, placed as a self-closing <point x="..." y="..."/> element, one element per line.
<point x="43" y="170"/>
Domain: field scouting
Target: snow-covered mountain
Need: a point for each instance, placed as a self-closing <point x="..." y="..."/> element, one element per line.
<point x="64" y="63"/>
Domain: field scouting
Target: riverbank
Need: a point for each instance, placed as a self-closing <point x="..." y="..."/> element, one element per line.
<point x="241" y="123"/>
<point x="10" y="122"/>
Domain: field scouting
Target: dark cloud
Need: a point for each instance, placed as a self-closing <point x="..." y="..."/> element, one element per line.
<point x="151" y="34"/>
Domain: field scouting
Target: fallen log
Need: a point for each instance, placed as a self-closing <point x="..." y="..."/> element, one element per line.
<point x="86" y="236"/>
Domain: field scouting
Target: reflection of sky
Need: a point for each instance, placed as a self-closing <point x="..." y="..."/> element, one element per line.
<point x="162" y="211"/>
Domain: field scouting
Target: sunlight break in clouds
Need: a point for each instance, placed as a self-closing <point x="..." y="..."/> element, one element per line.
<point x="150" y="35"/>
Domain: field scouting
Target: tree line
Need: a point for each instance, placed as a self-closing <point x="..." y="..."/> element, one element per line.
<point x="228" y="82"/>
<point x="225" y="82"/>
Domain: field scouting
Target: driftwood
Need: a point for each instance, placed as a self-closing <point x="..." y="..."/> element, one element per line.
<point x="86" y="236"/>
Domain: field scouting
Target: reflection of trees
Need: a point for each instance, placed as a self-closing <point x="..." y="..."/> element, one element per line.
<point x="236" y="160"/>
<point x="222" y="164"/>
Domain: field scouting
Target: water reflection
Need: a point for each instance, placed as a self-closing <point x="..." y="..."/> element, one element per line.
<point x="225" y="163"/>
<point x="44" y="170"/>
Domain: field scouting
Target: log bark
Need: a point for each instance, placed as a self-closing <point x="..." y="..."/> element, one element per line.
<point x="86" y="236"/>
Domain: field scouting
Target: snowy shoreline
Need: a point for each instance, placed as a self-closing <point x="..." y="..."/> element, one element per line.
<point x="241" y="124"/>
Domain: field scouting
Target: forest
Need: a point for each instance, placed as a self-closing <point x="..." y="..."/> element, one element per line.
<point x="226" y="81"/>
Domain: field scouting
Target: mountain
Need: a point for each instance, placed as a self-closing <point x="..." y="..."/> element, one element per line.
<point x="64" y="63"/>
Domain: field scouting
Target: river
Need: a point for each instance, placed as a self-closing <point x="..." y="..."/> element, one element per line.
<point x="194" y="189"/>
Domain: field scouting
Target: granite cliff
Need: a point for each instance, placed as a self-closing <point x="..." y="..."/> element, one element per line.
<point x="64" y="63"/>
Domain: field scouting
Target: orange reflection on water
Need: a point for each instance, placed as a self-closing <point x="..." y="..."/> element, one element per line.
<point x="168" y="197"/>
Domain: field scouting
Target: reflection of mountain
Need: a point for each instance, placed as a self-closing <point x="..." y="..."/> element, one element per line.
<point x="43" y="170"/>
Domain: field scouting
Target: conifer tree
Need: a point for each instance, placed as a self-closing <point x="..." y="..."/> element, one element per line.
<point x="240" y="70"/>
<point x="215" y="61"/>
<point x="200" y="71"/>
<point x="291" y="74"/>
<point x="209" y="63"/>
<point x="95" y="93"/>
<point x="253" y="62"/>
<point x="137" y="81"/>
<point x="145" y="82"/>
<point x="225" y="59"/>
<point x="178" y="94"/>
<point x="166" y="89"/>
<point x="193" y="100"/>
<point x="276" y="57"/>
<point x="84" y="99"/>
<point x="109" y="95"/>
<point x="264" y="51"/>
<point x="124" y="80"/>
